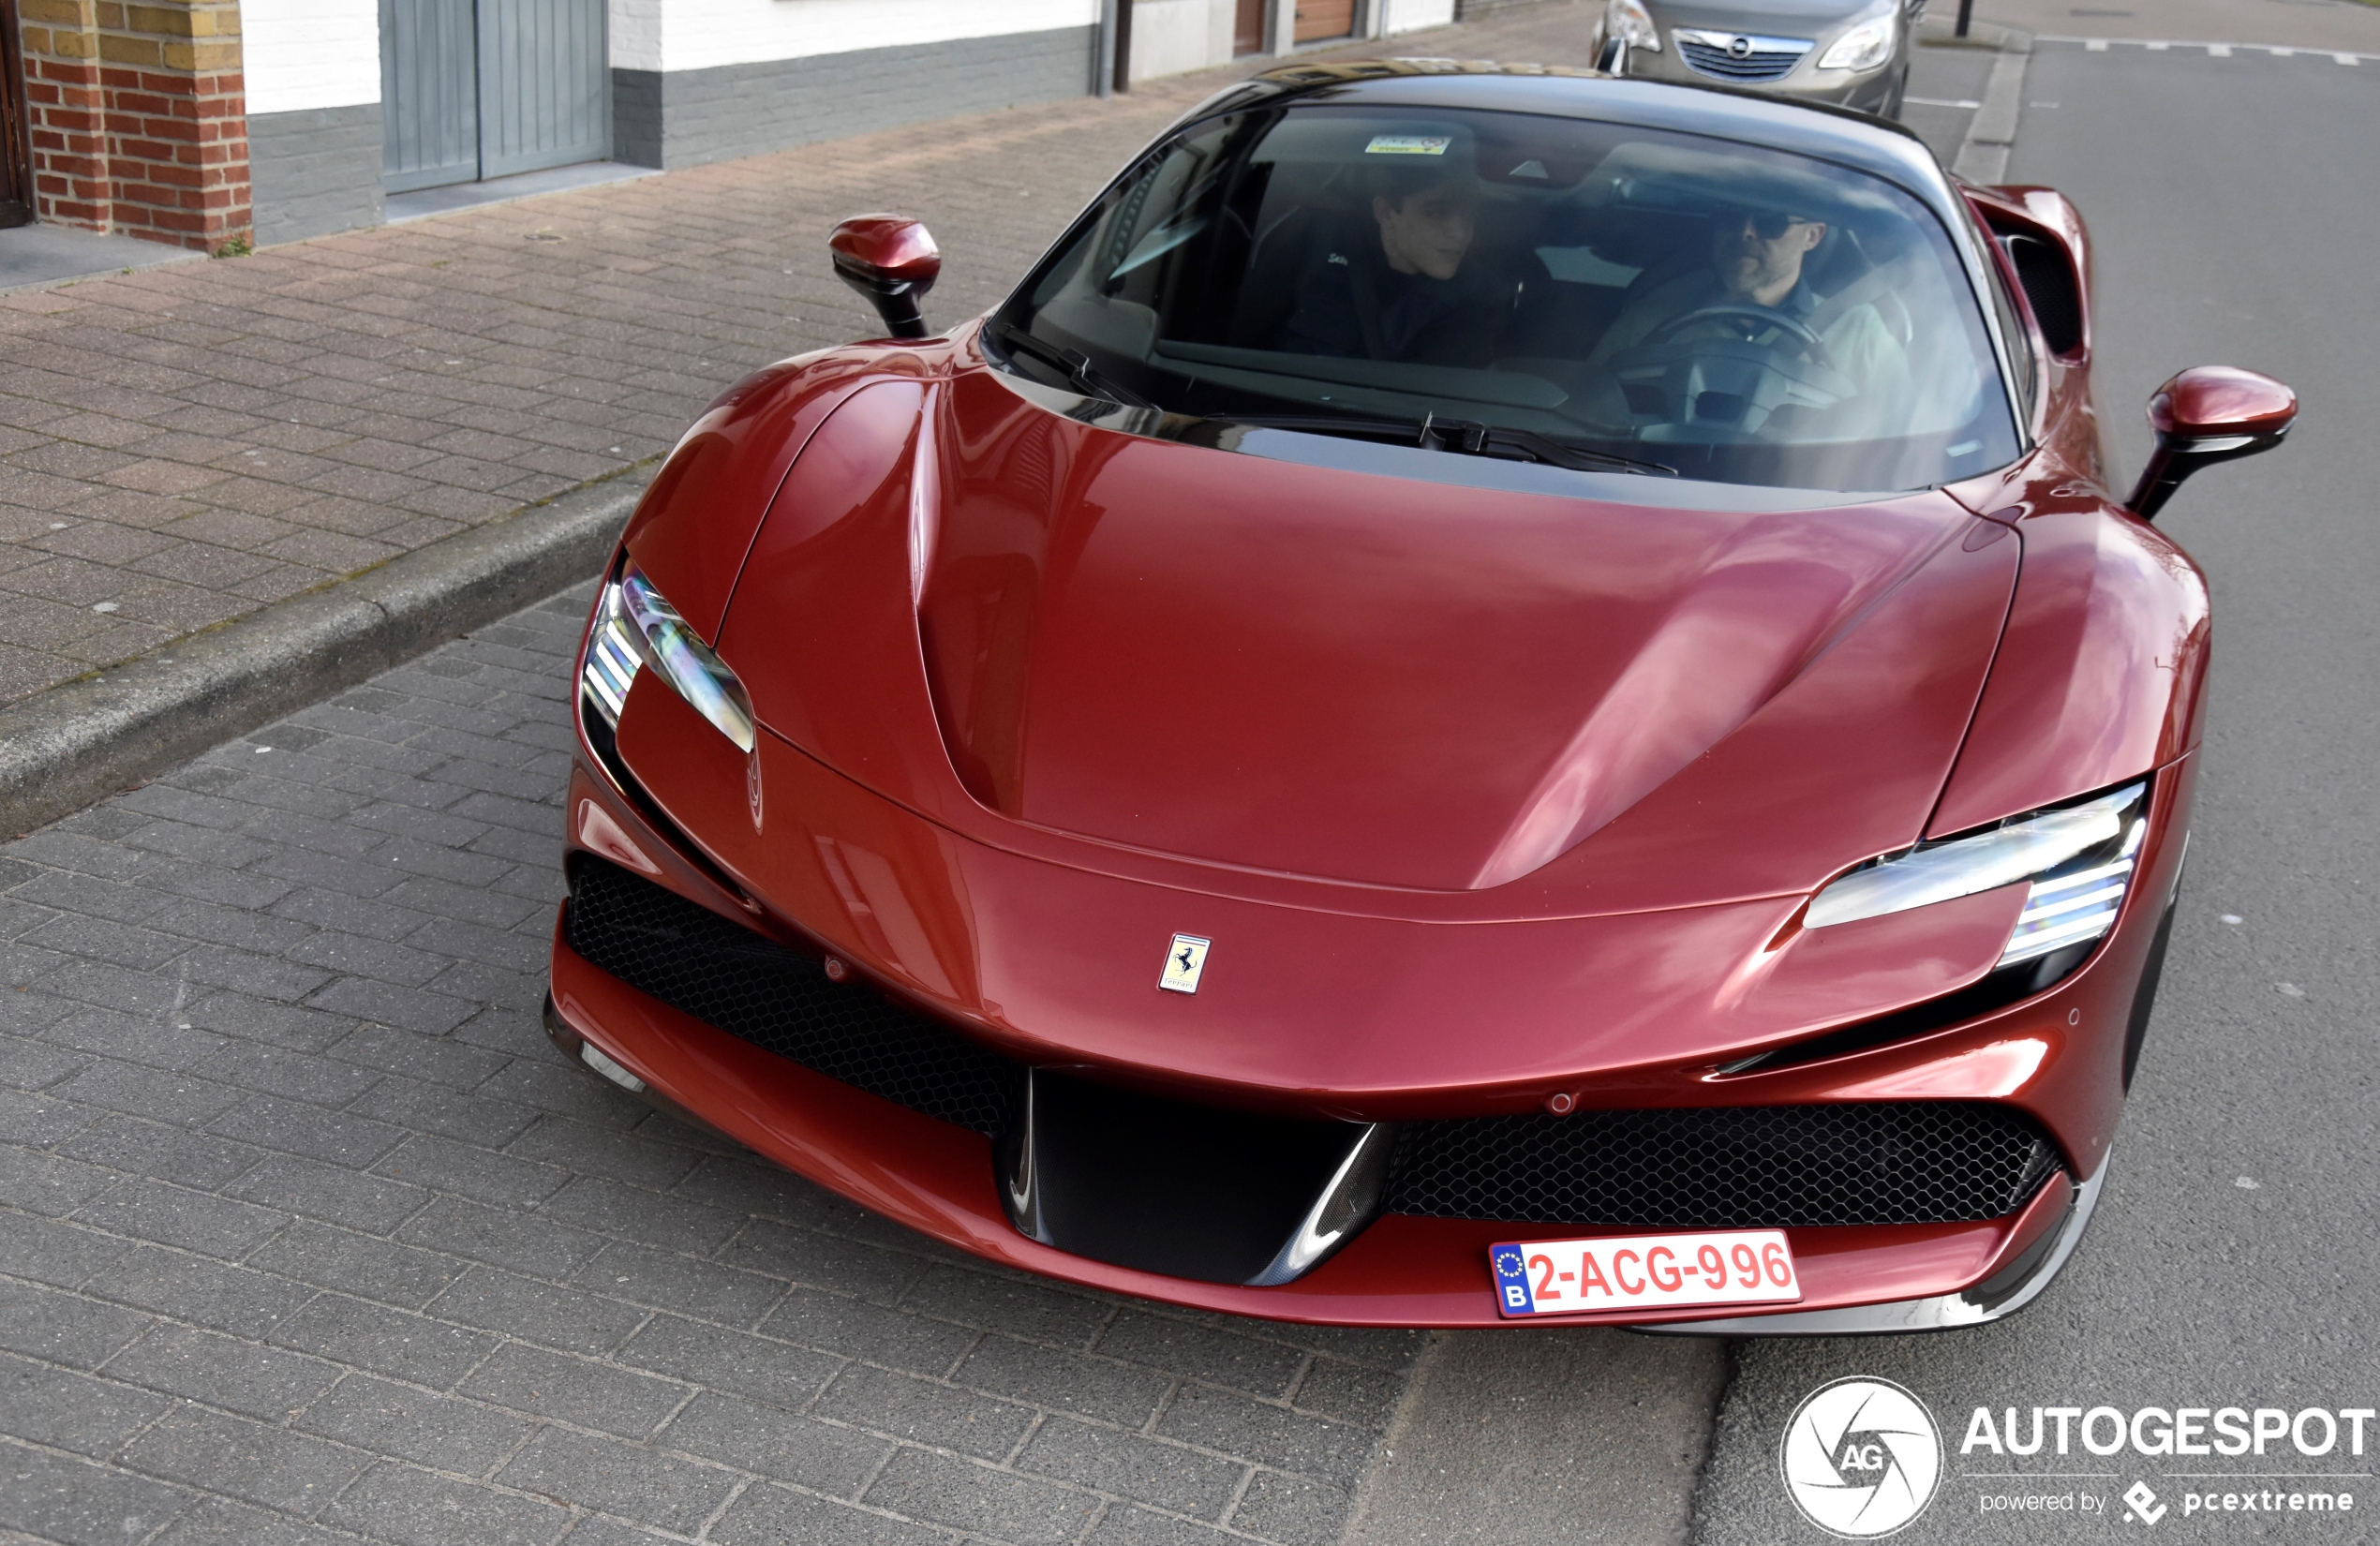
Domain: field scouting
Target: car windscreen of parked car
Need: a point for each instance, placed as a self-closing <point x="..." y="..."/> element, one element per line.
<point x="1585" y="293"/>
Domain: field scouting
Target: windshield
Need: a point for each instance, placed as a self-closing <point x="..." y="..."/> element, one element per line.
<point x="1545" y="289"/>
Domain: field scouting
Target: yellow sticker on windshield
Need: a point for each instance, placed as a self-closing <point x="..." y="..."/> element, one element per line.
<point x="1408" y="145"/>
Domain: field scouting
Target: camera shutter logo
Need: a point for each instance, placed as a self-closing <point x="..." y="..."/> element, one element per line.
<point x="1861" y="1458"/>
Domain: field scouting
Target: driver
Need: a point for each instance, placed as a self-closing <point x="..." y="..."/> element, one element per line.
<point x="1400" y="284"/>
<point x="1756" y="260"/>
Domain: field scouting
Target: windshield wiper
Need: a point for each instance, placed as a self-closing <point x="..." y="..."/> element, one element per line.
<point x="1465" y="437"/>
<point x="1529" y="445"/>
<point x="1073" y="365"/>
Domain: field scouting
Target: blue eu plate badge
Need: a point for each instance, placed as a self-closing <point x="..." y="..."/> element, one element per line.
<point x="1512" y="1281"/>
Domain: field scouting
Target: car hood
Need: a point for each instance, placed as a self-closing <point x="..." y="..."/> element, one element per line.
<point x="1771" y="19"/>
<point x="1312" y="671"/>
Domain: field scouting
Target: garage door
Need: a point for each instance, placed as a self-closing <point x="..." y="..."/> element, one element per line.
<point x="1319" y="19"/>
<point x="485" y="88"/>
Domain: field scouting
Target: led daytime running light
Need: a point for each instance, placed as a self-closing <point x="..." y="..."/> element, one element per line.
<point x="2079" y="860"/>
<point x="2069" y="909"/>
<point x="636" y="627"/>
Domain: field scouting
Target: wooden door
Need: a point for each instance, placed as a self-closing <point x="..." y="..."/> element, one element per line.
<point x="16" y="166"/>
<point x="429" y="94"/>
<point x="545" y="85"/>
<point x="472" y="89"/>
<point x="1247" y="28"/>
<point x="1321" y="19"/>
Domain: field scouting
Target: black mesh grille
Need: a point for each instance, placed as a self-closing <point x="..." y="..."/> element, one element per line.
<point x="1760" y="65"/>
<point x="1759" y="1166"/>
<point x="756" y="990"/>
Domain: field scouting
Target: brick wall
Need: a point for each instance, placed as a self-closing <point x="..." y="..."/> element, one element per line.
<point x="139" y="124"/>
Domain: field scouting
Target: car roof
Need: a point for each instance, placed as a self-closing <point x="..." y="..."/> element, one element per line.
<point x="1856" y="139"/>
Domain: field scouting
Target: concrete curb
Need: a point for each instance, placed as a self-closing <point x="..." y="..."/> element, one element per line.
<point x="1585" y="1434"/>
<point x="1983" y="156"/>
<point x="82" y="740"/>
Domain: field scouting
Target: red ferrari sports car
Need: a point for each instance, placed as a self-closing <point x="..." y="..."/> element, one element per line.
<point x="1494" y="695"/>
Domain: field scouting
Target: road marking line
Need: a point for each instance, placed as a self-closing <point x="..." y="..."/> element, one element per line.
<point x="1939" y="102"/>
<point x="2215" y="51"/>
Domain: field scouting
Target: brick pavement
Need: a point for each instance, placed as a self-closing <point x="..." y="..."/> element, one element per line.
<point x="307" y="1233"/>
<point x="183" y="445"/>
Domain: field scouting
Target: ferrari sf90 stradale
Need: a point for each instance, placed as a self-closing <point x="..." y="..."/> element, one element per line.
<point x="1494" y="694"/>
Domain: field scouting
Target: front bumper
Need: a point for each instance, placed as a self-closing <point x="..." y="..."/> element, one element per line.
<point x="939" y="1179"/>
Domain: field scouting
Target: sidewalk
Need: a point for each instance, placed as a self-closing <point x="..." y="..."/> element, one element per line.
<point x="182" y="446"/>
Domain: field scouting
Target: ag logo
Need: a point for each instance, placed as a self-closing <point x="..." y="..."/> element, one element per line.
<point x="1861" y="1458"/>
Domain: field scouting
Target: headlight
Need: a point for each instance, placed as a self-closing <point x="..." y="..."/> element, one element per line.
<point x="2080" y="859"/>
<point x="1630" y="22"/>
<point x="1865" y="47"/>
<point x="634" y="627"/>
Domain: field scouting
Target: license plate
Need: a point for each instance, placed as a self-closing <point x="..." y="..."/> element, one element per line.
<point x="1570" y="1277"/>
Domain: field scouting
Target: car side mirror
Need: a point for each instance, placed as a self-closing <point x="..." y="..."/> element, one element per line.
<point x="2204" y="415"/>
<point x="891" y="260"/>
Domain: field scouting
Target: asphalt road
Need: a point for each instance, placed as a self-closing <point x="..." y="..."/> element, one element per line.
<point x="2235" y="1256"/>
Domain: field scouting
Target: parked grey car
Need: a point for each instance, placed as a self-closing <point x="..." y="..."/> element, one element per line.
<point x="1851" y="52"/>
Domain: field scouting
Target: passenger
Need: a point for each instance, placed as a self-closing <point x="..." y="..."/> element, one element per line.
<point x="1756" y="260"/>
<point x="1401" y="286"/>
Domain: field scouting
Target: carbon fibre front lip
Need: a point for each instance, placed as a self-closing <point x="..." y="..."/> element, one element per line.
<point x="1996" y="1297"/>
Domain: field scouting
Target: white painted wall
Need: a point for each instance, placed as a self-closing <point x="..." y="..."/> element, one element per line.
<point x="1412" y="15"/>
<point x="326" y="53"/>
<point x="1169" y="36"/>
<point x="636" y="34"/>
<point x="683" y="35"/>
<point x="310" y="53"/>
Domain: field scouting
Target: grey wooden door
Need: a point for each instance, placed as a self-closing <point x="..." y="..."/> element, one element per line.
<point x="485" y="88"/>
<point x="429" y="94"/>
<point x="545" y="84"/>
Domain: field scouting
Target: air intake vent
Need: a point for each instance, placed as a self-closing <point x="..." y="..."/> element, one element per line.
<point x="2050" y="287"/>
<point x="1726" y="1167"/>
<point x="758" y="991"/>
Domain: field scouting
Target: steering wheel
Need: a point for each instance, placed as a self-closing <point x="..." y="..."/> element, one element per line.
<point x="1802" y="333"/>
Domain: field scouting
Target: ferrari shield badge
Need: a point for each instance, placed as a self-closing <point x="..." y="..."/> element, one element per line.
<point x="1184" y="960"/>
